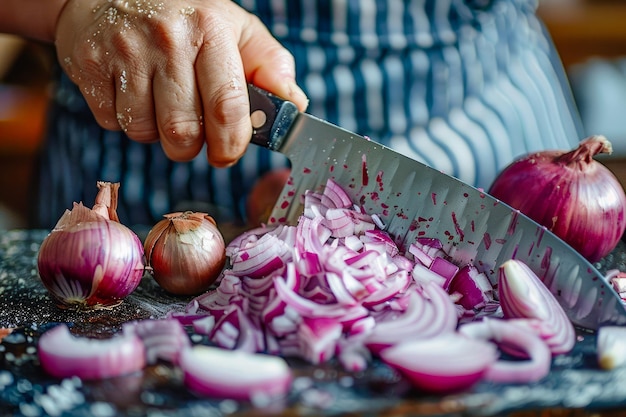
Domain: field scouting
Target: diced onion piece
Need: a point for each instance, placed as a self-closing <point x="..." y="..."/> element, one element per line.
<point x="611" y="347"/>
<point x="445" y="363"/>
<point x="334" y="196"/>
<point x="617" y="279"/>
<point x="339" y="221"/>
<point x="64" y="355"/>
<point x="237" y="375"/>
<point x="423" y="275"/>
<point x="261" y="258"/>
<point x="204" y="325"/>
<point x="444" y="268"/>
<point x="318" y="338"/>
<point x="473" y="286"/>
<point x="507" y="332"/>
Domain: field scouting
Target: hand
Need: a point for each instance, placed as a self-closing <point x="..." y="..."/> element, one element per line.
<point x="174" y="71"/>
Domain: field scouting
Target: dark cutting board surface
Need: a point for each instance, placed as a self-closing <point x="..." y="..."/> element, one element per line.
<point x="575" y="382"/>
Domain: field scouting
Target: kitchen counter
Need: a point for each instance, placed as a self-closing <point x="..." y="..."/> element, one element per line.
<point x="575" y="382"/>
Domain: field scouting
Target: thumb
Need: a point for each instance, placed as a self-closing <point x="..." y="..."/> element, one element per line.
<point x="269" y="65"/>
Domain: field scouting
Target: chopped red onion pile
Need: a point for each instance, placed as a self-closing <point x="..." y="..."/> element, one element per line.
<point x="337" y="287"/>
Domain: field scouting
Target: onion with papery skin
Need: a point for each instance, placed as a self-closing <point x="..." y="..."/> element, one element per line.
<point x="571" y="194"/>
<point x="90" y="259"/>
<point x="185" y="252"/>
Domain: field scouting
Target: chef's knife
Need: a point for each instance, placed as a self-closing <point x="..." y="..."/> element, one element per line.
<point x="414" y="200"/>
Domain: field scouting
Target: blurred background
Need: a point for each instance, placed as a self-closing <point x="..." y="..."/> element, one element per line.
<point x="590" y="36"/>
<point x="25" y="74"/>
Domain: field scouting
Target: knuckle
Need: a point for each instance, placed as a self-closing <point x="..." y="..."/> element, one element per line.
<point x="167" y="34"/>
<point x="126" y="46"/>
<point x="222" y="159"/>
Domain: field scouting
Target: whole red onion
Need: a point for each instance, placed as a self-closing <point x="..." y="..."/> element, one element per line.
<point x="185" y="252"/>
<point x="90" y="259"/>
<point x="571" y="194"/>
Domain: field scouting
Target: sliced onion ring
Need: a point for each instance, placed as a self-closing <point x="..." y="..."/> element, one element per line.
<point x="519" y="338"/>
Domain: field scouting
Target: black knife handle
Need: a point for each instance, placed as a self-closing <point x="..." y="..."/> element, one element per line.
<point x="271" y="118"/>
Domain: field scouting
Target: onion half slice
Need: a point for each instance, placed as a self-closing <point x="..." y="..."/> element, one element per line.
<point x="520" y="338"/>
<point x="234" y="374"/>
<point x="64" y="355"/>
<point x="445" y="363"/>
<point x="524" y="296"/>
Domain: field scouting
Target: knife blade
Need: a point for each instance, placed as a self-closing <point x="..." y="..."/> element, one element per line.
<point x="414" y="200"/>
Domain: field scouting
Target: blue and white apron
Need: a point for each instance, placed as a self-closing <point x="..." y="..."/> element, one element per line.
<point x="464" y="86"/>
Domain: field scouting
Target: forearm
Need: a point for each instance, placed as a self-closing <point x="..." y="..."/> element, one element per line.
<point x="32" y="19"/>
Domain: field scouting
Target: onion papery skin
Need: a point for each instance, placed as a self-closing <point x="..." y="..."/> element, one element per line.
<point x="571" y="194"/>
<point x="92" y="263"/>
<point x="185" y="252"/>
